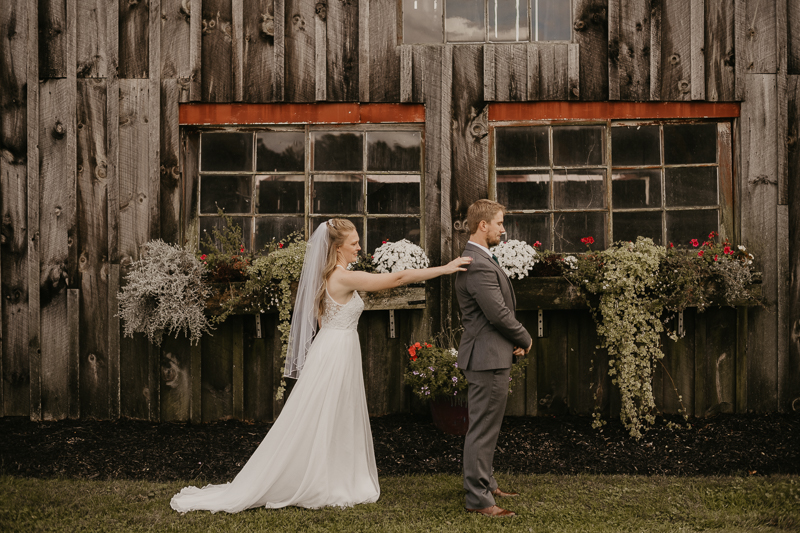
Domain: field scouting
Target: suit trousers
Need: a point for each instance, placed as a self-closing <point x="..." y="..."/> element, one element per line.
<point x="487" y="395"/>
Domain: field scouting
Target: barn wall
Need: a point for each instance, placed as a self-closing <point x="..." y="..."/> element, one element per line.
<point x="92" y="166"/>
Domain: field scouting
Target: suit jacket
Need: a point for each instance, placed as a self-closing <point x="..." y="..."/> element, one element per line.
<point x="487" y="303"/>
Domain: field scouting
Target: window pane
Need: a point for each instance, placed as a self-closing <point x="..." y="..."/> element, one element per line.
<point x="690" y="144"/>
<point x="578" y="145"/>
<point x="528" y="228"/>
<point x="393" y="194"/>
<point x="226" y="152"/>
<point x="280" y="151"/>
<point x="337" y="194"/>
<point x="691" y="186"/>
<point x="683" y="226"/>
<point x="208" y="224"/>
<point x="636" y="188"/>
<point x="579" y="189"/>
<point x="635" y="146"/>
<point x="570" y="228"/>
<point x="391" y="229"/>
<point x="422" y="21"/>
<point x="231" y="193"/>
<point x="508" y="20"/>
<point x="628" y="226"/>
<point x="523" y="147"/>
<point x="338" y="150"/>
<point x="280" y="194"/>
<point x="269" y="228"/>
<point x="555" y="20"/>
<point x="464" y="21"/>
<point x="523" y="191"/>
<point x="397" y="151"/>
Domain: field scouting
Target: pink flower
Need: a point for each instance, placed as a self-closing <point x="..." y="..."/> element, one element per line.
<point x="716" y="256"/>
<point x="727" y="250"/>
<point x="202" y="257"/>
<point x="537" y="244"/>
<point x="712" y="234"/>
<point x="700" y="253"/>
<point x="694" y="243"/>
<point x="242" y="249"/>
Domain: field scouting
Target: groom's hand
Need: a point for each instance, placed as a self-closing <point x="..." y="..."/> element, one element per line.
<point x="518" y="352"/>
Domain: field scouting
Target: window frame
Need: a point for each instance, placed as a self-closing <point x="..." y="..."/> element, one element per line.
<point x="726" y="201"/>
<point x="192" y="148"/>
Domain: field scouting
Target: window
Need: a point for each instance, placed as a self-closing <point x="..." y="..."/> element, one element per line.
<point x="273" y="181"/>
<point x="613" y="180"/>
<point x="461" y="21"/>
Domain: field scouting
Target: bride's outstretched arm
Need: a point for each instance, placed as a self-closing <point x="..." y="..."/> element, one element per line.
<point x="365" y="281"/>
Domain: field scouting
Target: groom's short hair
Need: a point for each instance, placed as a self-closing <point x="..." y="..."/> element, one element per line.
<point x="482" y="210"/>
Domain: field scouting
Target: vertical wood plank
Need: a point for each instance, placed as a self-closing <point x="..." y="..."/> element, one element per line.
<point x="237" y="370"/>
<point x="553" y="72"/>
<point x="573" y="72"/>
<point x="406" y="73"/>
<point x="581" y="342"/>
<point x="279" y="79"/>
<point x="73" y="353"/>
<point x="676" y="66"/>
<point x="740" y="25"/>
<point x="782" y="258"/>
<point x="529" y="320"/>
<point x="363" y="51"/>
<point x="176" y="379"/>
<point x="195" y="50"/>
<point x="790" y="400"/>
<point x="678" y="367"/>
<point x="742" y="359"/>
<point x="154" y="162"/>
<point x="551" y="356"/>
<point x="258" y="355"/>
<point x="113" y="343"/>
<point x="321" y="52"/>
<point x="57" y="231"/>
<point x="450" y="240"/>
<point x="384" y="56"/>
<point x="53" y="37"/>
<point x="719" y="52"/>
<point x="237" y="61"/>
<point x="760" y="45"/>
<point x="655" y="50"/>
<point x="342" y="51"/>
<point x="489" y="70"/>
<point x="698" y="50"/>
<point x="783" y="178"/>
<point x="170" y="170"/>
<point x="300" y="51"/>
<point x="591" y="33"/>
<point x="759" y="233"/>
<point x="112" y="132"/>
<point x="259" y="51"/>
<point x="217" y="367"/>
<point x="191" y="180"/>
<point x="614" y="49"/>
<point x="533" y="71"/>
<point x="720" y="362"/>
<point x="633" y="51"/>
<point x="176" y="41"/>
<point x="510" y="74"/>
<point x="702" y="366"/>
<point x="93" y="265"/>
<point x="196" y="353"/>
<point x="793" y="37"/>
<point x="217" y="51"/>
<point x="91" y="38"/>
<point x="134" y="30"/>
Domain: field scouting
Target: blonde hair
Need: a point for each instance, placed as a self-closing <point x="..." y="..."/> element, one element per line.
<point x="482" y="210"/>
<point x="338" y="230"/>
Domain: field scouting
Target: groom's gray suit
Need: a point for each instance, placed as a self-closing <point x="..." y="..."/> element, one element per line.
<point x="491" y="331"/>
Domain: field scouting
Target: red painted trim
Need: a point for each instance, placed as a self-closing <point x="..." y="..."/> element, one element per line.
<point x="502" y="111"/>
<point x="194" y="114"/>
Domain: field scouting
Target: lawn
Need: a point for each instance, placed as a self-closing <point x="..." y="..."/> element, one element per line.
<point x="549" y="503"/>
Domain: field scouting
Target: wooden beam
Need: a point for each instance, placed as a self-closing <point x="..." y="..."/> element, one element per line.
<point x="322" y="113"/>
<point x="217" y="51"/>
<point x="760" y="44"/>
<point x="342" y="52"/>
<point x="655" y="50"/>
<point x="790" y="399"/>
<point x="321" y="52"/>
<point x="134" y="42"/>
<point x="259" y="66"/>
<point x="237" y="49"/>
<point x="698" y="50"/>
<point x="91" y="45"/>
<point x="590" y="27"/>
<point x="363" y="51"/>
<point x="195" y="50"/>
<point x="300" y="51"/>
<point x="719" y="52"/>
<point x="610" y="110"/>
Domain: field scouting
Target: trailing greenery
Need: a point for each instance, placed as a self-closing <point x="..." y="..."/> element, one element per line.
<point x="164" y="292"/>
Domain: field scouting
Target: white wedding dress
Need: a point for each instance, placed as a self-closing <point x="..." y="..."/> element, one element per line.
<point x="319" y="451"/>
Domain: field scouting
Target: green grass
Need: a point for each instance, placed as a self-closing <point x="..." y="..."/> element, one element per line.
<point x="426" y="503"/>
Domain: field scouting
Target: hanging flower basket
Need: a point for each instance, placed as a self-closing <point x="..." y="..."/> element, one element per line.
<point x="450" y="414"/>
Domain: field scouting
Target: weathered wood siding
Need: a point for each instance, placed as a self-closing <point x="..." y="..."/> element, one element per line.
<point x="93" y="164"/>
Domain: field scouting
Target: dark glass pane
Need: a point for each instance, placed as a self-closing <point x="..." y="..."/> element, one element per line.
<point x="280" y="194"/>
<point x="226" y="151"/>
<point x="635" y="146"/>
<point x="464" y="21"/>
<point x="422" y="21"/>
<point x="683" y="226"/>
<point x="691" y="186"/>
<point x="628" y="226"/>
<point x="208" y="224"/>
<point x="275" y="228"/>
<point x="579" y="145"/>
<point x="523" y="191"/>
<point x="394" y="151"/>
<point x="230" y="193"/>
<point x="528" y="228"/>
<point x="508" y="20"/>
<point x="636" y="188"/>
<point x="280" y="151"/>
<point x="523" y="147"/>
<point x="555" y="20"/>
<point x="338" y="151"/>
<point x="570" y="228"/>
<point x="393" y="194"/>
<point x="579" y="189"/>
<point x="337" y="194"/>
<point x="391" y="229"/>
<point x="690" y="144"/>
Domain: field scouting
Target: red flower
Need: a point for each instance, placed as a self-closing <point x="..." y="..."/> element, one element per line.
<point x="537" y="244"/>
<point x="707" y="244"/>
<point x="694" y="243"/>
<point x="417" y="345"/>
<point x="428" y="345"/>
<point x="727" y="250"/>
<point x="413" y="352"/>
<point x="716" y="256"/>
<point x="202" y="257"/>
<point x="588" y="240"/>
<point x="280" y="245"/>
<point x="700" y="253"/>
<point x="242" y="249"/>
<point x="671" y="245"/>
<point x="712" y="234"/>
<point x="384" y="242"/>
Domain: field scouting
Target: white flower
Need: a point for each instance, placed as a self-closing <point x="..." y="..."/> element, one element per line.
<point x="572" y="261"/>
<point x="515" y="258"/>
<point x="397" y="256"/>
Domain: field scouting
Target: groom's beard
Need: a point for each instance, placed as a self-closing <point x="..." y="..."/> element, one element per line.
<point x="493" y="241"/>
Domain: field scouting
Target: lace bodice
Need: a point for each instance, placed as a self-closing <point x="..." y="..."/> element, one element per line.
<point x="342" y="316"/>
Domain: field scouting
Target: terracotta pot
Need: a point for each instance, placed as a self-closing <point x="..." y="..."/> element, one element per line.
<point x="450" y="414"/>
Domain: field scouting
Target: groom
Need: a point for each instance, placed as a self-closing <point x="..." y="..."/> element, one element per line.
<point x="492" y="335"/>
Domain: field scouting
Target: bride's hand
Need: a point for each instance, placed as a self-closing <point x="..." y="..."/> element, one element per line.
<point x="459" y="264"/>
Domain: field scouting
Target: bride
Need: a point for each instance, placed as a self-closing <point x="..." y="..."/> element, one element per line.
<point x="319" y="451"/>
